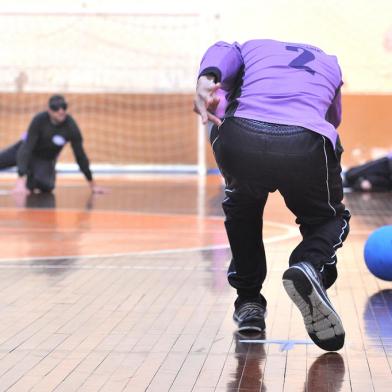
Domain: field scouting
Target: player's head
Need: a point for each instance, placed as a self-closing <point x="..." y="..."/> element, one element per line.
<point x="57" y="108"/>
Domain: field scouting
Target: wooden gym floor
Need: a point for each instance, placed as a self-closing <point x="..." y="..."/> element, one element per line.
<point x="127" y="291"/>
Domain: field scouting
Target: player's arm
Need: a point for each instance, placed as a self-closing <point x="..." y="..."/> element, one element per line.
<point x="218" y="69"/>
<point x="78" y="151"/>
<point x="223" y="61"/>
<point x="81" y="157"/>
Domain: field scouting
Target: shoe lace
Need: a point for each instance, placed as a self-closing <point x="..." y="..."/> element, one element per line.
<point x="249" y="310"/>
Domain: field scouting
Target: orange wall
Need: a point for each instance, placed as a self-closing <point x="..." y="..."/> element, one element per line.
<point x="117" y="128"/>
<point x="152" y="128"/>
<point x="366" y="129"/>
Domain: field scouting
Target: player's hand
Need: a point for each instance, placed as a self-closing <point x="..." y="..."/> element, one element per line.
<point x="206" y="101"/>
<point x="20" y="187"/>
<point x="366" y="185"/>
<point x="97" y="190"/>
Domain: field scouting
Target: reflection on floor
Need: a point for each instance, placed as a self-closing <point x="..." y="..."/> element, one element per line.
<point x="92" y="305"/>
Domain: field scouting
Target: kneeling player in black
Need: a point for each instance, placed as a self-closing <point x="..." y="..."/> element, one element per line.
<point x="372" y="176"/>
<point x="36" y="155"/>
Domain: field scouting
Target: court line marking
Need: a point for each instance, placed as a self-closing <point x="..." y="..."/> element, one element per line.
<point x="285" y="345"/>
<point x="110" y="267"/>
<point x="114" y="212"/>
<point x="292" y="233"/>
<point x="196" y="268"/>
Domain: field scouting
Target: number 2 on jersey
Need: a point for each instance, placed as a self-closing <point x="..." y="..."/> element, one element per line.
<point x="305" y="57"/>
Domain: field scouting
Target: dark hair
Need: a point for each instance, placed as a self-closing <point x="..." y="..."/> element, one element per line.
<point x="56" y="102"/>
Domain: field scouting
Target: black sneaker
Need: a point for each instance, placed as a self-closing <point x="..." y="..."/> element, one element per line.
<point x="304" y="286"/>
<point x="250" y="317"/>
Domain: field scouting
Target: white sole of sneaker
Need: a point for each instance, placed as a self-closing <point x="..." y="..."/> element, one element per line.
<point x="250" y="329"/>
<point x="321" y="321"/>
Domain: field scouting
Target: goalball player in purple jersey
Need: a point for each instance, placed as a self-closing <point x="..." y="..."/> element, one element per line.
<point x="279" y="133"/>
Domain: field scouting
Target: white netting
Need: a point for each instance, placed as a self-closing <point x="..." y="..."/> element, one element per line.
<point x="129" y="79"/>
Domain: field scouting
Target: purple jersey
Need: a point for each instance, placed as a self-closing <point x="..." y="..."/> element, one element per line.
<point x="278" y="82"/>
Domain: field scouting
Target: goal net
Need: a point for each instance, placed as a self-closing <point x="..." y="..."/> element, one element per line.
<point x="128" y="77"/>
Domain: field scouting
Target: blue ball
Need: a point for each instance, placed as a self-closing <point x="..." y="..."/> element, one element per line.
<point x="378" y="253"/>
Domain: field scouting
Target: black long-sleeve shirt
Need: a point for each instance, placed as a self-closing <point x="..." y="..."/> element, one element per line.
<point x="46" y="140"/>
